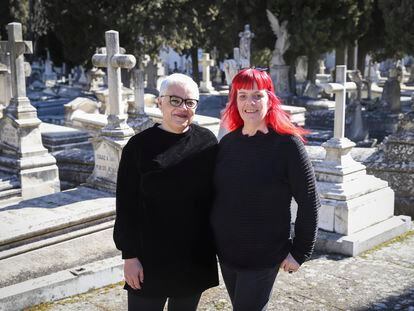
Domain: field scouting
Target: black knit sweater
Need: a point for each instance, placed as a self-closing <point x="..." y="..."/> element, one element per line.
<point x="163" y="199"/>
<point x="255" y="179"/>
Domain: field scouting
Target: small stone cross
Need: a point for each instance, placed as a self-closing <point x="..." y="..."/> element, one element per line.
<point x="206" y="62"/>
<point x="339" y="88"/>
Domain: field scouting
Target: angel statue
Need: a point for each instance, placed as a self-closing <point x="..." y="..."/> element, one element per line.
<point x="282" y="43"/>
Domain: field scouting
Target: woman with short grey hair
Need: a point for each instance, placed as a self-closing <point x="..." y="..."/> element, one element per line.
<point x="163" y="201"/>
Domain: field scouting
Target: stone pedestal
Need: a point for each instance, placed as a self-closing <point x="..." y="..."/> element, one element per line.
<point x="206" y="87"/>
<point x="280" y="78"/>
<point x="23" y="155"/>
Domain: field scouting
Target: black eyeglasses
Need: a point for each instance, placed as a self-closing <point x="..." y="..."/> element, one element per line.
<point x="177" y="101"/>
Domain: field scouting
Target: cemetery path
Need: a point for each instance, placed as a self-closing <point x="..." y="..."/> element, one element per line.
<point x="380" y="279"/>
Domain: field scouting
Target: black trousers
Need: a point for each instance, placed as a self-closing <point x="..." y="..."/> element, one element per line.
<point x="139" y="303"/>
<point x="249" y="290"/>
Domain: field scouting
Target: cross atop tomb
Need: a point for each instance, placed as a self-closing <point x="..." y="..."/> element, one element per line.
<point x="17" y="47"/>
<point x="206" y="62"/>
<point x="113" y="60"/>
<point x="339" y="88"/>
<point x="205" y="85"/>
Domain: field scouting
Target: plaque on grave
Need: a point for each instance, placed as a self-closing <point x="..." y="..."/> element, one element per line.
<point x="9" y="135"/>
<point x="106" y="161"/>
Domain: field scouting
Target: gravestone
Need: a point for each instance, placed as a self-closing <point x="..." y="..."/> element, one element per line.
<point x="151" y="73"/>
<point x="394" y="162"/>
<point x="391" y="93"/>
<point x="116" y="133"/>
<point x="22" y="152"/>
<point x="357" y="210"/>
<point x="206" y="85"/>
<point x="137" y="118"/>
<point x="49" y="76"/>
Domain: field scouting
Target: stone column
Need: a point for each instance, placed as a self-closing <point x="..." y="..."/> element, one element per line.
<point x="205" y="85"/>
<point x="357" y="209"/>
<point x="137" y="118"/>
<point x="22" y="151"/>
<point x="114" y="136"/>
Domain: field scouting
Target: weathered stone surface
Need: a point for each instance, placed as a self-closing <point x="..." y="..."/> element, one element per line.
<point x="377" y="280"/>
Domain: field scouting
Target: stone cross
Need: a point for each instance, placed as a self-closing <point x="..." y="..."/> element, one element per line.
<point x="114" y="61"/>
<point x="17" y="48"/>
<point x="206" y="62"/>
<point x="339" y="88"/>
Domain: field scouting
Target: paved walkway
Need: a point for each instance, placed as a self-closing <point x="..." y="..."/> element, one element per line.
<point x="381" y="279"/>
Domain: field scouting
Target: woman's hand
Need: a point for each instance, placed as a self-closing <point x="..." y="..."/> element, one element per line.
<point x="133" y="273"/>
<point x="289" y="264"/>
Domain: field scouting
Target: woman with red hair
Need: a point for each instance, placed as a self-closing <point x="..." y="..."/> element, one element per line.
<point x="261" y="164"/>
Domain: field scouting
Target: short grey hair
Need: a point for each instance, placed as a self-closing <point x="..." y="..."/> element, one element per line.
<point x="182" y="80"/>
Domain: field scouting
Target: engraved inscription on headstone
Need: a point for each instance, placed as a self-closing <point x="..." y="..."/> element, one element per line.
<point x="9" y="135"/>
<point x="106" y="161"/>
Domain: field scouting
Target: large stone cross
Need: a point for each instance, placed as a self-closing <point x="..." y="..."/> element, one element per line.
<point x="17" y="47"/>
<point x="206" y="62"/>
<point x="113" y="60"/>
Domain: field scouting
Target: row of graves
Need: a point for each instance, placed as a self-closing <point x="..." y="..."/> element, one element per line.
<point x="57" y="179"/>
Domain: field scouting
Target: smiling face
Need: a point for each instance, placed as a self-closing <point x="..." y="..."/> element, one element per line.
<point x="176" y="119"/>
<point x="252" y="106"/>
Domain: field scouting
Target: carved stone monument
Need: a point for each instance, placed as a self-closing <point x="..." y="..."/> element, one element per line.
<point x="357" y="210"/>
<point x="246" y="37"/>
<point x="108" y="146"/>
<point x="279" y="71"/>
<point x="21" y="150"/>
<point x="206" y="86"/>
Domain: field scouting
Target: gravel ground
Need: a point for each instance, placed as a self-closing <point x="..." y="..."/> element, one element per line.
<point x="380" y="279"/>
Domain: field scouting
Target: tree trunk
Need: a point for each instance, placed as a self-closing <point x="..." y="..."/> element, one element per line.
<point x="362" y="54"/>
<point x="312" y="63"/>
<point x="341" y="55"/>
<point x="352" y="56"/>
<point x="194" y="59"/>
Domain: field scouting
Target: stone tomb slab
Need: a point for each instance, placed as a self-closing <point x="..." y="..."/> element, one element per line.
<point x="57" y="137"/>
<point x="30" y="219"/>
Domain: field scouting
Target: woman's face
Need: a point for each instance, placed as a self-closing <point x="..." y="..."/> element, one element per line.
<point x="176" y="119"/>
<point x="252" y="105"/>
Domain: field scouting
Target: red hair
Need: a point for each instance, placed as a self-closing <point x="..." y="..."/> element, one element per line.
<point x="276" y="118"/>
